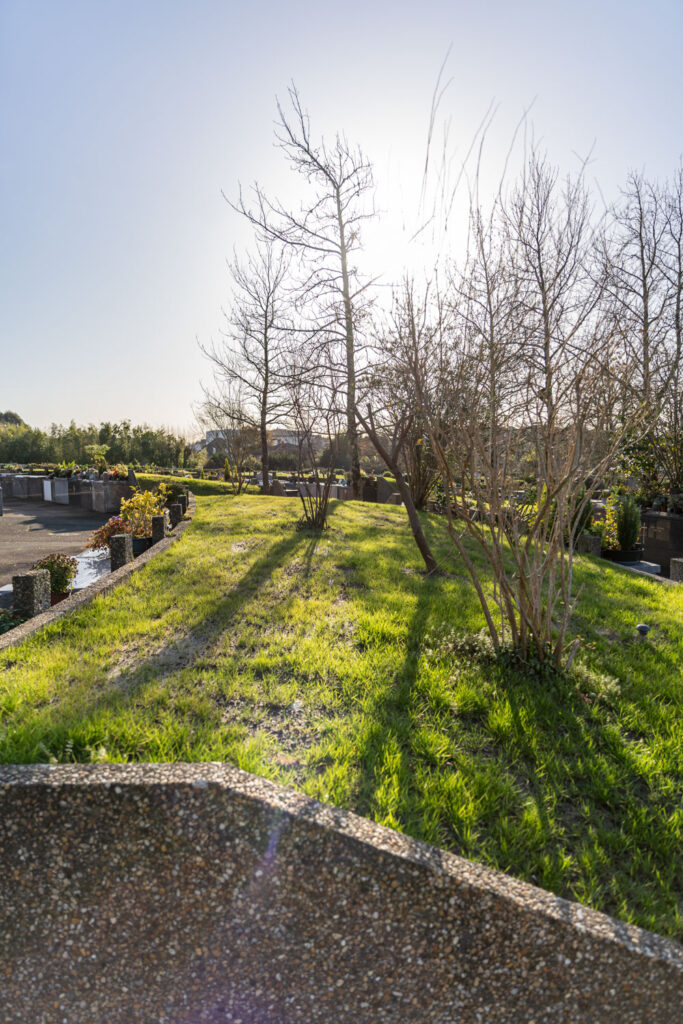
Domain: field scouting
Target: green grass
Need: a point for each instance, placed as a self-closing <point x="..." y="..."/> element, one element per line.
<point x="325" y="662"/>
<point x="149" y="481"/>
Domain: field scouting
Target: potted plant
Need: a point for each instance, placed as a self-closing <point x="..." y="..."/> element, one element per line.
<point x="102" y="535"/>
<point x="621" y="531"/>
<point x="137" y="512"/>
<point x="62" y="569"/>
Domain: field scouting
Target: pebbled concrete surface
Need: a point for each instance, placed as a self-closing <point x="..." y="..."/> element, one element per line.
<point x="188" y="893"/>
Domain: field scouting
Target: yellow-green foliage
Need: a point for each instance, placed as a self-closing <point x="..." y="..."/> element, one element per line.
<point x="137" y="511"/>
<point x="610" y="535"/>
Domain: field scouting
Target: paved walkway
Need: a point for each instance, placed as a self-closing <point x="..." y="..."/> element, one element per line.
<point x="31" y="529"/>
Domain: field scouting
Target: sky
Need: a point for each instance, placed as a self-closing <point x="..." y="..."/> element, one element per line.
<point x="123" y="123"/>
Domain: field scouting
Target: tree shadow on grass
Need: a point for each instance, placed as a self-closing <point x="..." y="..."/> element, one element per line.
<point x="187" y="651"/>
<point x="558" y="754"/>
<point x="390" y="720"/>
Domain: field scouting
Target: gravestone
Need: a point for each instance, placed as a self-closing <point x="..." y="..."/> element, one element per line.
<point x="589" y="545"/>
<point x="98" y="497"/>
<point x="385" y="489"/>
<point x="60" y="490"/>
<point x="121" y="547"/>
<point x="276" y="489"/>
<point x="676" y="569"/>
<point x="31" y="592"/>
<point x="662" y="538"/>
<point x="20" y="487"/>
<point x="369" y="492"/>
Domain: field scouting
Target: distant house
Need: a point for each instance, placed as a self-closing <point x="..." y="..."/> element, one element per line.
<point x="281" y="439"/>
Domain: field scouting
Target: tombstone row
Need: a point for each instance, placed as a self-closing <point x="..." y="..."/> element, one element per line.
<point x="381" y="491"/>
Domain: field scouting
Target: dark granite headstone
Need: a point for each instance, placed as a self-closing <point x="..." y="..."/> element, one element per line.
<point x="385" y="489"/>
<point x="662" y="538"/>
<point x="369" y="492"/>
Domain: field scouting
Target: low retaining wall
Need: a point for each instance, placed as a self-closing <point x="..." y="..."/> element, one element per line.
<point x="188" y="893"/>
<point x="101" y="586"/>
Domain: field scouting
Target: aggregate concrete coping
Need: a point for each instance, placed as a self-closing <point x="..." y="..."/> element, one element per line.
<point x="183" y="893"/>
<point x="101" y="586"/>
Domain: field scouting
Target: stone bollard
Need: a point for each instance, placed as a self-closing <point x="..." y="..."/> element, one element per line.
<point x="158" y="528"/>
<point x="31" y="592"/>
<point x="676" y="570"/>
<point x="589" y="545"/>
<point x="121" y="546"/>
<point x="175" y="514"/>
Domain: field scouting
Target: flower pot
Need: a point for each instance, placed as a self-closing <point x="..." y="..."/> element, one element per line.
<point x="140" y="545"/>
<point x="634" y="555"/>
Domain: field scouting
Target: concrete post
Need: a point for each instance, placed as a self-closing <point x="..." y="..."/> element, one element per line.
<point x="121" y="547"/>
<point x="175" y="514"/>
<point x="31" y="592"/>
<point x="158" y="528"/>
<point x="676" y="569"/>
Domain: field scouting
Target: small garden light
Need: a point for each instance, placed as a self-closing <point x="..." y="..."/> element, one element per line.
<point x="643" y="629"/>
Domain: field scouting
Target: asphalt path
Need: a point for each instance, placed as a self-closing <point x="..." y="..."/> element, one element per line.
<point x="29" y="530"/>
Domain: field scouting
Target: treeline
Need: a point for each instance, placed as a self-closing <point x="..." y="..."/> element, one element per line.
<point x="125" y="443"/>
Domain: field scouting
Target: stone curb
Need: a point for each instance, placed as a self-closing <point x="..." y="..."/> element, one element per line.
<point x="102" y="586"/>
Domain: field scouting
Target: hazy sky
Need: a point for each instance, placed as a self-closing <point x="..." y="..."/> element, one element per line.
<point x="121" y="122"/>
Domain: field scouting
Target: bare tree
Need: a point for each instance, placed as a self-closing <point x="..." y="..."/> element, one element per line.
<point x="325" y="236"/>
<point x="645" y="273"/>
<point x="317" y="411"/>
<point x="251" y="360"/>
<point x="520" y="352"/>
<point x="390" y="415"/>
<point x="641" y="278"/>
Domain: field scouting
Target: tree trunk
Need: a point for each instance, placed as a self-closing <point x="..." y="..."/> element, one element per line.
<point x="413" y="518"/>
<point x="264" y="453"/>
<point x="415" y="524"/>
<point x="351" y="430"/>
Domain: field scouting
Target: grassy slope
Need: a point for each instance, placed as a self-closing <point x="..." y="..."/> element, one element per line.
<point x="319" y="662"/>
<point x="150" y="481"/>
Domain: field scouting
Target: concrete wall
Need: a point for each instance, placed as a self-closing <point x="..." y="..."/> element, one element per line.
<point x="189" y="893"/>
